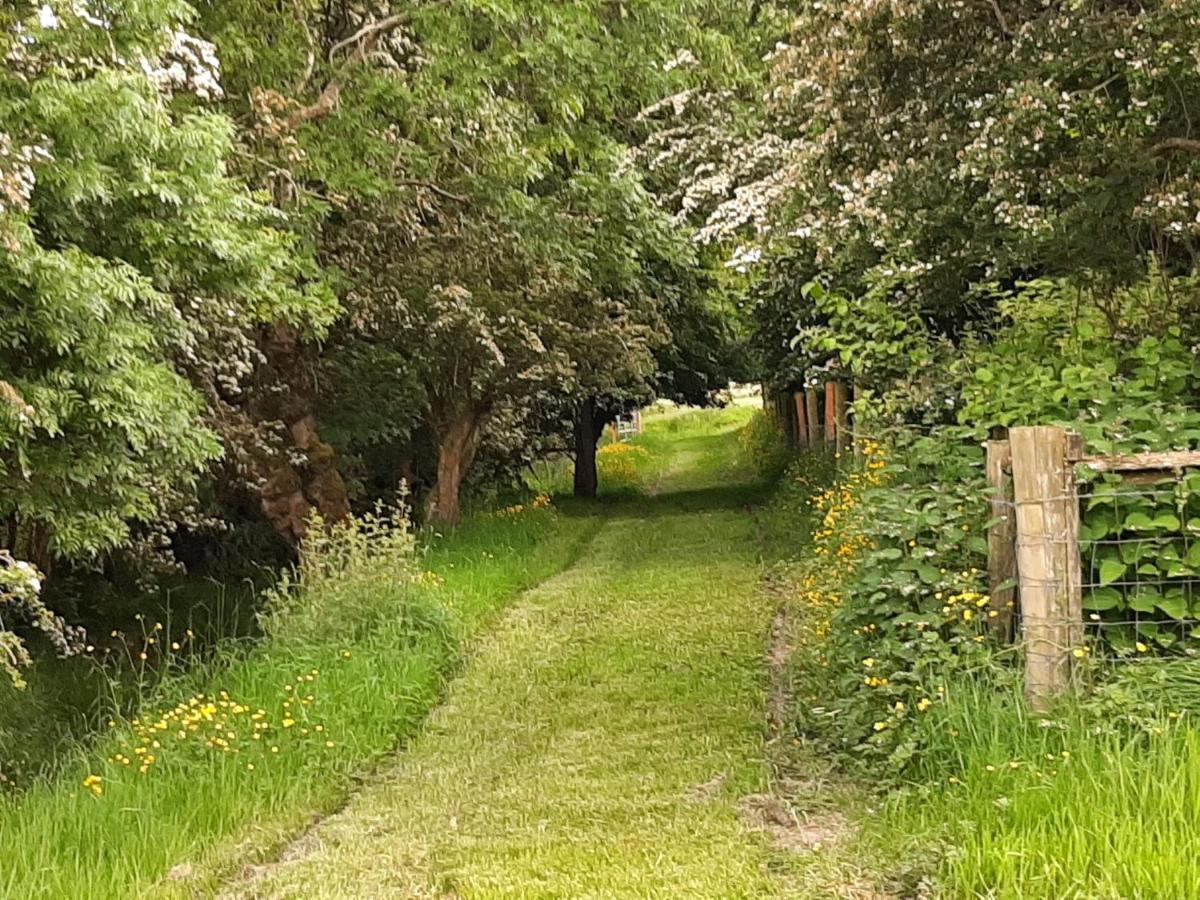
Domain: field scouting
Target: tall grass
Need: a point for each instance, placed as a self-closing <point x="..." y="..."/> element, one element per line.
<point x="259" y="740"/>
<point x="1076" y="804"/>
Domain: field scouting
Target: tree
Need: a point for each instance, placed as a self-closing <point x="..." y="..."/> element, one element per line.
<point x="932" y="154"/>
<point x="129" y="256"/>
<point x="438" y="157"/>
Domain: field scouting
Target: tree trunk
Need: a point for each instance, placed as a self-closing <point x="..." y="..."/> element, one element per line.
<point x="456" y="452"/>
<point x="290" y="493"/>
<point x="587" y="435"/>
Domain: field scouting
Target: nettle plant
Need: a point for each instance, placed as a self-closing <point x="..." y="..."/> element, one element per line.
<point x="1142" y="562"/>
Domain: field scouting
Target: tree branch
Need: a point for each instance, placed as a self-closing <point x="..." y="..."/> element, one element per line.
<point x="429" y="186"/>
<point x="310" y="52"/>
<point x="369" y="34"/>
<point x="1000" y="18"/>
<point x="1173" y="145"/>
<point x="324" y="105"/>
<point x="363" y="41"/>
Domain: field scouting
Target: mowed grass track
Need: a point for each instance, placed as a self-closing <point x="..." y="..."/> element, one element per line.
<point x="598" y="742"/>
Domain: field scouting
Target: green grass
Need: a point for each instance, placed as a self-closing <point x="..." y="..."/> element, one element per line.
<point x="67" y="700"/>
<point x="601" y="737"/>
<point x="379" y="674"/>
<point x="1071" y="806"/>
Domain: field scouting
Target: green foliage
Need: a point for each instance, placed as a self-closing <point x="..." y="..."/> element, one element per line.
<point x="465" y="171"/>
<point x="624" y="468"/>
<point x="21" y="603"/>
<point x="133" y="267"/>
<point x="1142" y="559"/>
<point x="923" y="154"/>
<point x="1115" y="365"/>
<point x="765" y="444"/>
<point x="894" y="597"/>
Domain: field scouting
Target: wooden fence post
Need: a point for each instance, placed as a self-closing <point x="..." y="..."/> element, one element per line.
<point x="1048" y="559"/>
<point x="857" y="444"/>
<point x="1001" y="539"/>
<point x="802" y="438"/>
<point x="830" y="412"/>
<point x="812" y="406"/>
<point x="841" y="422"/>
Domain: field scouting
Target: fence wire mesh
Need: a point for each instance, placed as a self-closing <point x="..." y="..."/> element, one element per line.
<point x="1137" y="563"/>
<point x="1139" y="572"/>
<point x="1140" y="558"/>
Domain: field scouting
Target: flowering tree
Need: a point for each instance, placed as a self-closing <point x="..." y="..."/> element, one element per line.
<point x="918" y="156"/>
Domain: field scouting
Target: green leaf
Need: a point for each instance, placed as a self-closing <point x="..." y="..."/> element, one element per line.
<point x="1138" y="521"/>
<point x="1166" y="521"/>
<point x="1144" y="600"/>
<point x="1174" y="604"/>
<point x="1101" y="599"/>
<point x="1111" y="570"/>
<point x="1179" y="570"/>
<point x="1193" y="555"/>
<point x="929" y="574"/>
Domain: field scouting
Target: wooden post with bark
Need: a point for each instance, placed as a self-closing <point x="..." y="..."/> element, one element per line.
<point x="812" y="408"/>
<point x="841" y="426"/>
<point x="1001" y="539"/>
<point x="1048" y="559"/>
<point x="830" y="412"/>
<point x="787" y="416"/>
<point x="802" y="433"/>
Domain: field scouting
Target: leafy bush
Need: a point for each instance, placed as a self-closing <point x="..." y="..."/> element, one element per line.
<point x="897" y="589"/>
<point x="1118" y="367"/>
<point x="765" y="444"/>
<point x="1143" y="562"/>
<point x="896" y="593"/>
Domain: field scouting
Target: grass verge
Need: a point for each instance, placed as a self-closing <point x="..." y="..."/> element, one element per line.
<point x="244" y="757"/>
<point x="1010" y="804"/>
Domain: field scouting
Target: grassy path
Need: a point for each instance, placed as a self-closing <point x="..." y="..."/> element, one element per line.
<point x="598" y="742"/>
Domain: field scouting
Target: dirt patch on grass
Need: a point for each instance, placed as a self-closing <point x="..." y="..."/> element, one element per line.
<point x="710" y="789"/>
<point x="808" y="811"/>
<point x="790" y="830"/>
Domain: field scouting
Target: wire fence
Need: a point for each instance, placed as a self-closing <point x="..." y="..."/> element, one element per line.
<point x="1106" y="553"/>
<point x="1141" y="567"/>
